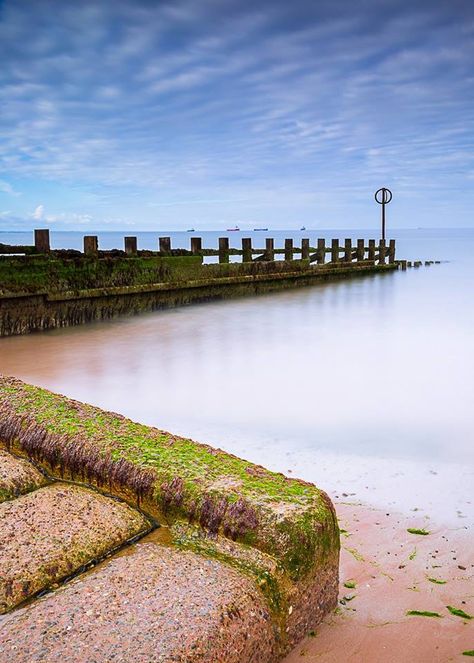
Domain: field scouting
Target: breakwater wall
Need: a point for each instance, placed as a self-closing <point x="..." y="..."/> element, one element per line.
<point x="279" y="535"/>
<point x="43" y="289"/>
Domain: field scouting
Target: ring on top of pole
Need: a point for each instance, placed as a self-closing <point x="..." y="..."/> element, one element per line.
<point x="383" y="196"/>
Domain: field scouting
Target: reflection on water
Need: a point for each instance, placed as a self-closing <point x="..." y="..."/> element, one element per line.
<point x="363" y="386"/>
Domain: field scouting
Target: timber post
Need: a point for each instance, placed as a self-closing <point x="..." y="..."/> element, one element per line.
<point x="42" y="244"/>
<point x="305" y="249"/>
<point x="223" y="249"/>
<point x="371" y="250"/>
<point x="391" y="252"/>
<point x="288" y="249"/>
<point x="382" y="252"/>
<point x="347" y="250"/>
<point x="360" y="251"/>
<point x="246" y="249"/>
<point x="165" y="245"/>
<point x="321" y="251"/>
<point x="196" y="245"/>
<point x="130" y="246"/>
<point x="91" y="245"/>
<point x="269" y="249"/>
<point x="335" y="250"/>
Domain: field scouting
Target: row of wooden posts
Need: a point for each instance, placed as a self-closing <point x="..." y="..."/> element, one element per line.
<point x="359" y="251"/>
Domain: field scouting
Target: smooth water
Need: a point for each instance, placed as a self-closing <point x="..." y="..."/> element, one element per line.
<point x="364" y="386"/>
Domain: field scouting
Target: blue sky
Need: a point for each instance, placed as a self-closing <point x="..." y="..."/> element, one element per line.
<point x="206" y="113"/>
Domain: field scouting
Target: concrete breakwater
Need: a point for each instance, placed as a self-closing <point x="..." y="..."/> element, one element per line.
<point x="43" y="289"/>
<point x="270" y="543"/>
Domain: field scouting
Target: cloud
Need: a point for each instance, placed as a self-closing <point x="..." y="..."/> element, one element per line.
<point x="222" y="101"/>
<point x="6" y="187"/>
<point x="38" y="214"/>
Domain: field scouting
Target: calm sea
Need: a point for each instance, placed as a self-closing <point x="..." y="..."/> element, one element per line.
<point x="364" y="386"/>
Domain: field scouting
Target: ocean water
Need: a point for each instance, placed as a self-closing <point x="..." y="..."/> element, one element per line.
<point x="363" y="386"/>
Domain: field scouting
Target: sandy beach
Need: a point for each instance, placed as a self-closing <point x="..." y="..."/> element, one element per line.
<point x="386" y="572"/>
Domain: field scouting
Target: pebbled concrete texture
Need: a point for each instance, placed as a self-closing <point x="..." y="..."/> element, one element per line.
<point x="153" y="604"/>
<point x="51" y="532"/>
<point x="17" y="476"/>
<point x="272" y="541"/>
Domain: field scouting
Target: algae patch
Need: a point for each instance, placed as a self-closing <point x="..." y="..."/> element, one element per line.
<point x="458" y="612"/>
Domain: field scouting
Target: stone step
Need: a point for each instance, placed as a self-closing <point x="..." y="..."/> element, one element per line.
<point x="154" y="603"/>
<point x="17" y="476"/>
<point x="52" y="532"/>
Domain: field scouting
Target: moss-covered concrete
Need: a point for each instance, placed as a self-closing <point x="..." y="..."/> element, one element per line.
<point x="56" y="272"/>
<point x="280" y="531"/>
<point x="40" y="292"/>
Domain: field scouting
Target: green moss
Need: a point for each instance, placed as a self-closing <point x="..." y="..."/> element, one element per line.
<point x="287" y="518"/>
<point x="54" y="273"/>
<point x="265" y="580"/>
<point x="422" y="613"/>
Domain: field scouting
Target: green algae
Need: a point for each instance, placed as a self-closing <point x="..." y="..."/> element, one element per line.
<point x="437" y="581"/>
<point x="350" y="584"/>
<point x="458" y="612"/>
<point x="264" y="578"/>
<point x="422" y="613"/>
<point x="58" y="273"/>
<point x="285" y="517"/>
<point x="468" y="652"/>
<point x="415" y="530"/>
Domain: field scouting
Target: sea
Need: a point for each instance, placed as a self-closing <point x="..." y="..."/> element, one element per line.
<point x="363" y="386"/>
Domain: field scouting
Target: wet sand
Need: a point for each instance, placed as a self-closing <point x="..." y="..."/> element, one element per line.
<point x="391" y="569"/>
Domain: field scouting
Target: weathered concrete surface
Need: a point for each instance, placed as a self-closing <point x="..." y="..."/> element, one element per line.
<point x="281" y="534"/>
<point x="152" y="604"/>
<point x="17" y="476"/>
<point x="51" y="532"/>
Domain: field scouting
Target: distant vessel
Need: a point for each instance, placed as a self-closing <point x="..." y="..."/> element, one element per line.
<point x="303" y="228"/>
<point x="230" y="230"/>
<point x="257" y="229"/>
<point x="190" y="230"/>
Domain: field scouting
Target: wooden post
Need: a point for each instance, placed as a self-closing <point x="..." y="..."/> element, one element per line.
<point x="42" y="241"/>
<point x="403" y="264"/>
<point x="371" y="251"/>
<point x="391" y="251"/>
<point x="130" y="246"/>
<point x="246" y="249"/>
<point x="347" y="250"/>
<point x="360" y="251"/>
<point x="305" y="249"/>
<point x="196" y="245"/>
<point x="269" y="248"/>
<point x="335" y="250"/>
<point x="382" y="252"/>
<point x="91" y="245"/>
<point x="223" y="249"/>
<point x="165" y="245"/>
<point x="321" y="251"/>
<point x="288" y="249"/>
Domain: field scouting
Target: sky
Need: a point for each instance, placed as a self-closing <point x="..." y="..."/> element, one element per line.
<point x="212" y="113"/>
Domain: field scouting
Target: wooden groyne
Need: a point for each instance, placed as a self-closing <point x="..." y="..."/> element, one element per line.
<point x="41" y="288"/>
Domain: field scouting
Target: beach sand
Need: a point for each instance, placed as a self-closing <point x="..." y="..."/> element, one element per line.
<point x="391" y="570"/>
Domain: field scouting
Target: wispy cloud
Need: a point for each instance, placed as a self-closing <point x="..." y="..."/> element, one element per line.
<point x="144" y="104"/>
<point x="6" y="187"/>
